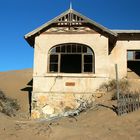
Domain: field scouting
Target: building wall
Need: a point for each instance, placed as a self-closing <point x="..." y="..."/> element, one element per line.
<point x="51" y="94"/>
<point x="119" y="56"/>
<point x="45" y="42"/>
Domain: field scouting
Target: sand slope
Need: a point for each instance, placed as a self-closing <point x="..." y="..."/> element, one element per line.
<point x="101" y="123"/>
<point x="12" y="82"/>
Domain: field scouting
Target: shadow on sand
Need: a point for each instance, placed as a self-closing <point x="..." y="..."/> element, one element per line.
<point x="29" y="89"/>
<point x="113" y="108"/>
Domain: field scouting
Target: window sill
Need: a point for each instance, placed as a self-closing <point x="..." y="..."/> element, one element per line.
<point x="75" y="75"/>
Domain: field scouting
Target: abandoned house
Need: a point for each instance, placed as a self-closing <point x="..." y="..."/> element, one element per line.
<point x="73" y="56"/>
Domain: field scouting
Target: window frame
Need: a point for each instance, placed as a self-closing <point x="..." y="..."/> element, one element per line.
<point x="134" y="55"/>
<point x="71" y="53"/>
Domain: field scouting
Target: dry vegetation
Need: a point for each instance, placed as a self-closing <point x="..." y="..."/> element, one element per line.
<point x="94" y="124"/>
<point x="111" y="88"/>
<point x="8" y="105"/>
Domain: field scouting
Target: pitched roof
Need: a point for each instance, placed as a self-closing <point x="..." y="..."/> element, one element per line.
<point x="126" y="31"/>
<point x="128" y="34"/>
<point x="70" y="17"/>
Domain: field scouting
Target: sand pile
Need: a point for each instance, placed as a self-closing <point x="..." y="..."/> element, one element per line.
<point x="101" y="123"/>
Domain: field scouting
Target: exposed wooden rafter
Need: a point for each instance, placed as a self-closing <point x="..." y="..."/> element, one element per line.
<point x="70" y="18"/>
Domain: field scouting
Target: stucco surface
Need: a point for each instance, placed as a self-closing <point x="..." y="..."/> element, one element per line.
<point x="52" y="93"/>
<point x="119" y="56"/>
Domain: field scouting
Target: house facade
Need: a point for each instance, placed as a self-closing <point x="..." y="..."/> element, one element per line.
<point x="73" y="56"/>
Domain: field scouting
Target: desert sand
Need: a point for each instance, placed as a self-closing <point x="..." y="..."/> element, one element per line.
<point x="99" y="123"/>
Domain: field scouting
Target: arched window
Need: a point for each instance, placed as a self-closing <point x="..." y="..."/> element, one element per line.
<point x="71" y="58"/>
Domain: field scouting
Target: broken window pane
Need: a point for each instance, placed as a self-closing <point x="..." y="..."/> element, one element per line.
<point x="71" y="63"/>
<point x="73" y="48"/>
<point x="87" y="67"/>
<point x="53" y="58"/>
<point x="84" y="49"/>
<point x="87" y="58"/>
<point x="53" y="67"/>
<point x="58" y="49"/>
<point x="79" y="49"/>
<point x="137" y="55"/>
<point x="69" y="49"/>
<point x="63" y="49"/>
<point x="71" y="58"/>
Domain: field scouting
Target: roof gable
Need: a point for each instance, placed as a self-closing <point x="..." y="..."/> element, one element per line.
<point x="69" y="18"/>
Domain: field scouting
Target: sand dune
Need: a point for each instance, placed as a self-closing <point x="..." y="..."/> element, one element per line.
<point x="100" y="123"/>
<point x="12" y="82"/>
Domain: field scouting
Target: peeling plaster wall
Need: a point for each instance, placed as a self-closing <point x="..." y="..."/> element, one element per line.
<point x="119" y="56"/>
<point x="51" y="94"/>
<point x="45" y="42"/>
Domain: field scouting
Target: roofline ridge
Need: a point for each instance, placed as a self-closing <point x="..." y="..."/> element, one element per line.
<point x="72" y="11"/>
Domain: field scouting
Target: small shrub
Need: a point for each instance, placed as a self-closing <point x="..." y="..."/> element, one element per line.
<point x="114" y="96"/>
<point x="2" y="96"/>
<point x="8" y="106"/>
<point x="111" y="86"/>
<point x="123" y="85"/>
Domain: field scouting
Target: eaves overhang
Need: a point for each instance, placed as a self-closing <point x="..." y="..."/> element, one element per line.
<point x="30" y="37"/>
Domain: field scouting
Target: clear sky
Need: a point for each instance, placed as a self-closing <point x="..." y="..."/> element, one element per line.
<point x="18" y="17"/>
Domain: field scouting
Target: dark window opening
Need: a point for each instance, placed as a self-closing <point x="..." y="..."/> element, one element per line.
<point x="71" y="58"/>
<point x="53" y="67"/>
<point x="87" y="58"/>
<point x="87" y="67"/>
<point x="70" y="63"/>
<point x="53" y="63"/>
<point x="137" y="54"/>
<point x="133" y="64"/>
<point x="133" y="55"/>
<point x="88" y="63"/>
<point x="53" y="58"/>
<point x="73" y="49"/>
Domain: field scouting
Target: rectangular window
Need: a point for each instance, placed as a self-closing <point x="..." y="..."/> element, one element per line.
<point x="130" y="55"/>
<point x="133" y="55"/>
<point x="137" y="55"/>
<point x="69" y="49"/>
<point x="63" y="49"/>
<point x="73" y="49"/>
<point x="70" y="63"/>
<point x="88" y="63"/>
<point x="53" y="63"/>
<point x="58" y="49"/>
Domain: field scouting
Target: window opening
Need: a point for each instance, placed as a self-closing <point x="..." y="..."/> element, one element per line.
<point x="133" y="55"/>
<point x="133" y="64"/>
<point x="71" y="58"/>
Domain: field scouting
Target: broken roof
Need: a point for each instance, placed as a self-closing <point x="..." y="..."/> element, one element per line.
<point x="70" y="16"/>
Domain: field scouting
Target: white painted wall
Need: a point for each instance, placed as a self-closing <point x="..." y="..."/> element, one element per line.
<point x="44" y="81"/>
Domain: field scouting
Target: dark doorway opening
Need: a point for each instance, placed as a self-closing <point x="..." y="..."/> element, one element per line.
<point x="71" y="63"/>
<point x="133" y="69"/>
<point x="133" y="64"/>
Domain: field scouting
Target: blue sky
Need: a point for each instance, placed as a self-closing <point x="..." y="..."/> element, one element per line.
<point x="18" y="17"/>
